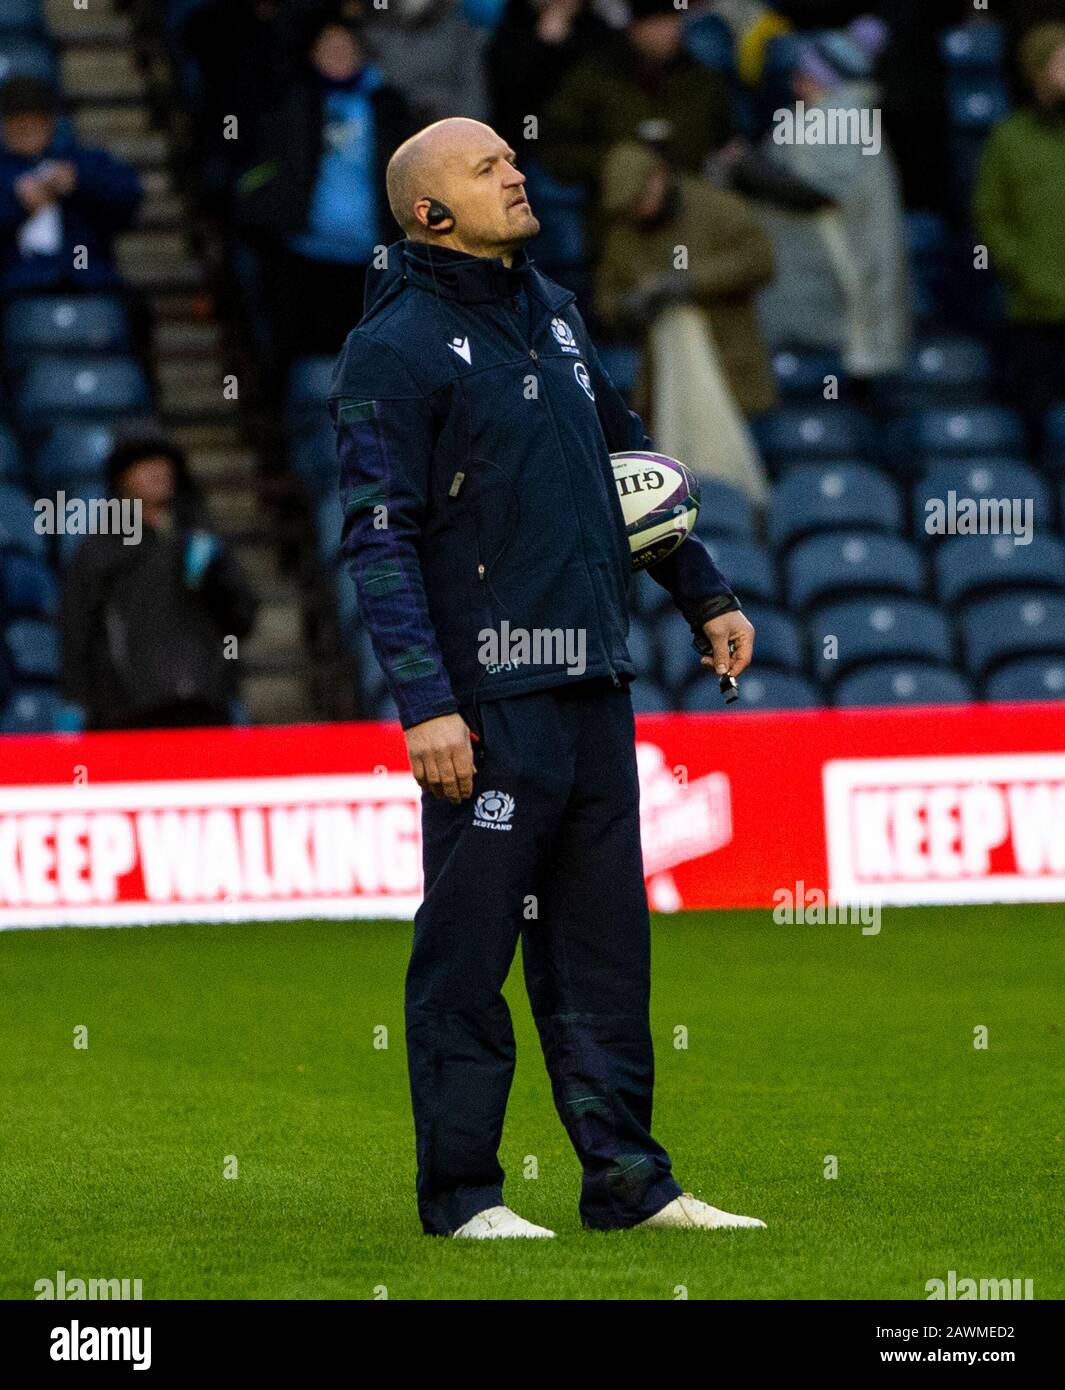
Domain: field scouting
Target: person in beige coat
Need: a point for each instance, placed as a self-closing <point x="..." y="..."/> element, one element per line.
<point x="681" y="263"/>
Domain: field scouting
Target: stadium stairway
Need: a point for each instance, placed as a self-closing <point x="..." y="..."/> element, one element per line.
<point x="117" y="89"/>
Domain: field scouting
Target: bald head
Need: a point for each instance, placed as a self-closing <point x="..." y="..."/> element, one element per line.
<point x="466" y="165"/>
<point x="420" y="167"/>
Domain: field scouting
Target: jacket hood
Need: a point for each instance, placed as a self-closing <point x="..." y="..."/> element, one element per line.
<point x="456" y="275"/>
<point x="623" y="174"/>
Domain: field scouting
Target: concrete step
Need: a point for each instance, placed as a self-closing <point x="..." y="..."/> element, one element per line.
<point x="258" y="558"/>
<point x="143" y="258"/>
<point x="162" y="212"/>
<point x="278" y="699"/>
<point x="101" y="72"/>
<point x="224" y="467"/>
<point x="201" y="373"/>
<point x="187" y="338"/>
<point x="278" y="638"/>
<point x="193" y="435"/>
<point x="100" y="124"/>
<point x="96" y="22"/>
<point x="148" y="149"/>
<point x="198" y="403"/>
<point x="235" y="510"/>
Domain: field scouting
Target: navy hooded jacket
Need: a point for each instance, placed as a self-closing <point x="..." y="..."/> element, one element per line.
<point x="474" y="430"/>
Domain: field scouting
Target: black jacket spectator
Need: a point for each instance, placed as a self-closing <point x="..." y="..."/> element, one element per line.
<point x="528" y="56"/>
<point x="144" y="625"/>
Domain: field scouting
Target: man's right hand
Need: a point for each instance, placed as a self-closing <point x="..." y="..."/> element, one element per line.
<point x="441" y="757"/>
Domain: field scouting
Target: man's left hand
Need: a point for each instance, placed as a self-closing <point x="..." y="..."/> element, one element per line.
<point x="732" y="638"/>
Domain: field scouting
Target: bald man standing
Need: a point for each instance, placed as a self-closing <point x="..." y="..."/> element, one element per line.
<point x="486" y="539"/>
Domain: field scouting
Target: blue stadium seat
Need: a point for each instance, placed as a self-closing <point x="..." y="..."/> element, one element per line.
<point x="12" y="467"/>
<point x="21" y="17"/>
<point x="777" y="641"/>
<point x="966" y="566"/>
<point x="996" y="479"/>
<point x="747" y="567"/>
<point x="561" y="241"/>
<point x="65" y="323"/>
<point x="18" y="529"/>
<point x="347" y="603"/>
<point x="822" y="498"/>
<point x="1054" y="449"/>
<point x="308" y="390"/>
<point x="724" y="511"/>
<point x="759" y="690"/>
<point x="643" y="645"/>
<point x="23" y="56"/>
<point x="678" y="661"/>
<point x="939" y="372"/>
<point x="328" y="518"/>
<point x="964" y="431"/>
<point x="313" y="457"/>
<point x="930" y="249"/>
<point x="621" y="362"/>
<point x="648" y="697"/>
<point x="73" y="454"/>
<point x="977" y="103"/>
<point x="902" y="683"/>
<point x="878" y="630"/>
<point x="28" y="586"/>
<point x="382" y="707"/>
<point x="32" y="649"/>
<point x="839" y="563"/>
<point x="69" y="542"/>
<point x="997" y="629"/>
<point x="808" y="434"/>
<point x="974" y="48"/>
<point x="801" y="372"/>
<point x="57" y="389"/>
<point x="31" y="710"/>
<point x="1031" y="678"/>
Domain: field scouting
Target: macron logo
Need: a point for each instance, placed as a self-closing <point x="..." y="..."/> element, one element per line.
<point x="461" y="346"/>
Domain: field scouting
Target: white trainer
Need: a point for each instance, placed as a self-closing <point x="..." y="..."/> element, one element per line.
<point x="500" y="1223"/>
<point x="689" y="1211"/>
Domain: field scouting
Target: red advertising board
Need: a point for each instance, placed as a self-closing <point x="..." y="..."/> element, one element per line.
<point x="946" y="804"/>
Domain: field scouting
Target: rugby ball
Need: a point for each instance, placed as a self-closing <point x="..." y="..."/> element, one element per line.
<point x="659" y="500"/>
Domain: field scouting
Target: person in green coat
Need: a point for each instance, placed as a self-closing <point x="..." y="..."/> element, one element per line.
<point x="640" y="85"/>
<point x="1020" y="216"/>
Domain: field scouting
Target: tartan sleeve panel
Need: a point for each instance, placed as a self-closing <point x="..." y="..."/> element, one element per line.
<point x="385" y="438"/>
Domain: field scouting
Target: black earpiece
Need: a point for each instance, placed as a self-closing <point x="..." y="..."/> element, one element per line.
<point x="438" y="212"/>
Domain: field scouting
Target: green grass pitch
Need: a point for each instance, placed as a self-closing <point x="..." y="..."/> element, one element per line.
<point x="258" y="1041"/>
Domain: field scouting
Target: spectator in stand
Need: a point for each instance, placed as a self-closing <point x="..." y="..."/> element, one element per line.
<point x="56" y="196"/>
<point x="1020" y="215"/>
<point x="313" y="200"/>
<point x="1020" y="18"/>
<point x="704" y="362"/>
<point x="535" y="45"/>
<point x="639" y="85"/>
<point x="149" y="630"/>
<point x="431" y="53"/>
<point x="842" y="276"/>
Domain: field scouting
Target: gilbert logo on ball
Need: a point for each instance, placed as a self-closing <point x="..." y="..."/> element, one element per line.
<point x="659" y="500"/>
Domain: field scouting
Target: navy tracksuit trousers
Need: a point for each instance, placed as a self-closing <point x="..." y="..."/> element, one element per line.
<point x="548" y="851"/>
